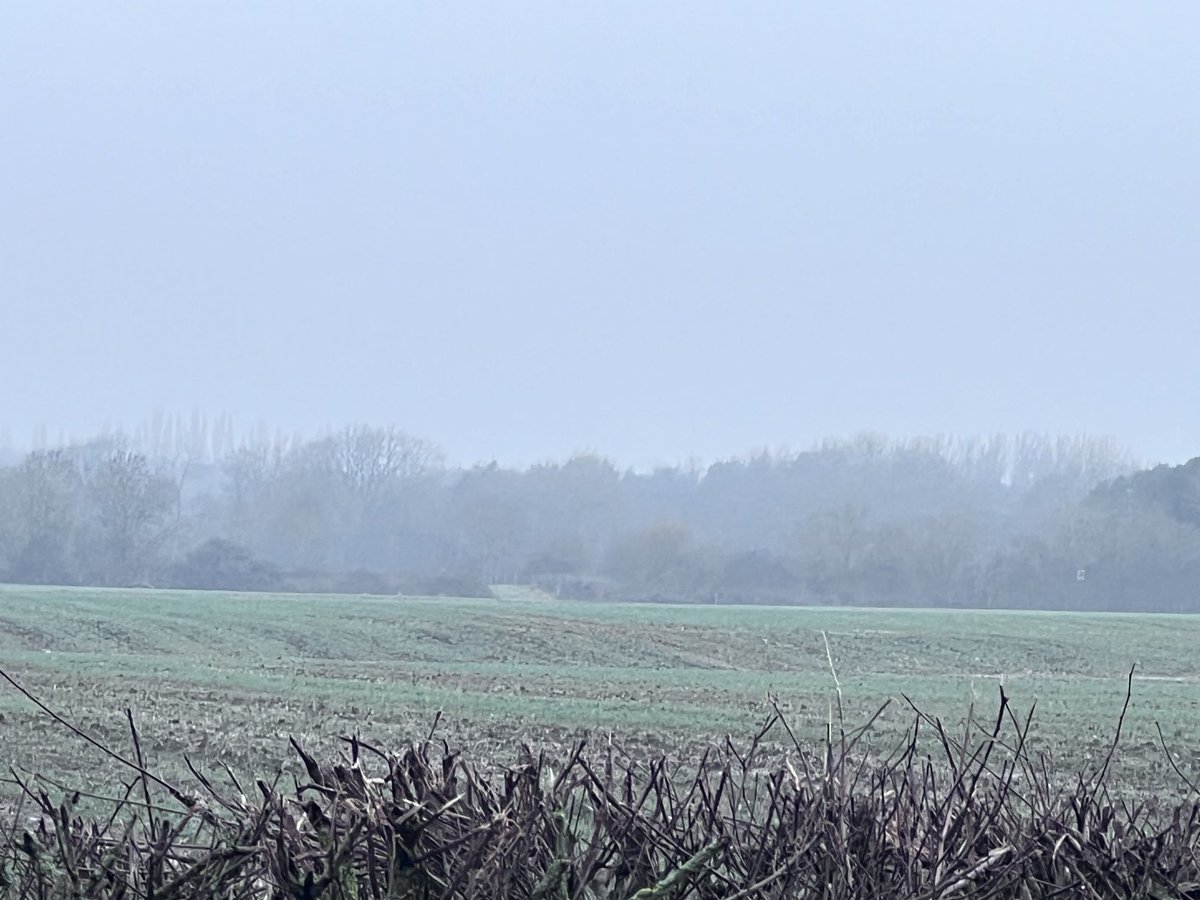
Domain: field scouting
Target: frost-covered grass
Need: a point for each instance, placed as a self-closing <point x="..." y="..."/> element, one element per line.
<point x="226" y="677"/>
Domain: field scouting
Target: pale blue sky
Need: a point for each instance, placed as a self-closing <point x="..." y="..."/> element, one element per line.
<point x="655" y="230"/>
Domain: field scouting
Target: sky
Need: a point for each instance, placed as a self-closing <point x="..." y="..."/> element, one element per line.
<point x="658" y="231"/>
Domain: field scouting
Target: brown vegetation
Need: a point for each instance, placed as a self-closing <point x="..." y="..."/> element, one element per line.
<point x="970" y="815"/>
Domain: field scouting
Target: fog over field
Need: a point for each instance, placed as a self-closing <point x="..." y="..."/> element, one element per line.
<point x="656" y="232"/>
<point x="694" y="450"/>
<point x="683" y="302"/>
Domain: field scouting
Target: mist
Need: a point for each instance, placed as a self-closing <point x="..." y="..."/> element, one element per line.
<point x="651" y="232"/>
<point x="678" y="303"/>
<point x="1024" y="521"/>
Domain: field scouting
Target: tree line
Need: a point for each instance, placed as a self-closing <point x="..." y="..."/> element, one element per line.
<point x="1029" y="521"/>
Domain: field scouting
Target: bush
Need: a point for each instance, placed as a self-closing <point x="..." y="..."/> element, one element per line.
<point x="975" y="816"/>
<point x="221" y="565"/>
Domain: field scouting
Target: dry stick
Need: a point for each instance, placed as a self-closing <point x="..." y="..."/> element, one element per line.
<point x="1020" y="754"/>
<point x="686" y="800"/>
<point x="952" y="824"/>
<point x="633" y="817"/>
<point x="960" y="770"/>
<point x="860" y="732"/>
<point x="201" y="866"/>
<point x="631" y="811"/>
<point x="856" y="736"/>
<point x="1117" y="737"/>
<point x="107" y="798"/>
<point x="175" y="792"/>
<point x="1007" y="774"/>
<point x="747" y="762"/>
<point x="12" y="833"/>
<point x="67" y="855"/>
<point x="355" y="739"/>
<point x="118" y="808"/>
<point x="569" y="767"/>
<point x="841" y="713"/>
<point x="233" y="778"/>
<point x="137" y="749"/>
<point x="437" y="720"/>
<point x="949" y="746"/>
<point x="841" y="776"/>
<point x="208" y="786"/>
<point x="26" y="791"/>
<point x="795" y="740"/>
<point x="980" y="868"/>
<point x="1171" y="759"/>
<point x="673" y="882"/>
<point x="832" y="671"/>
<point x="762" y="883"/>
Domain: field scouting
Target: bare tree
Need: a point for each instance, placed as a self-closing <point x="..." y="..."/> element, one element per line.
<point x="43" y="502"/>
<point x="369" y="460"/>
<point x="133" y="504"/>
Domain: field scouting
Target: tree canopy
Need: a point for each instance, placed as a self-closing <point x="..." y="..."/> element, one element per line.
<point x="1027" y="521"/>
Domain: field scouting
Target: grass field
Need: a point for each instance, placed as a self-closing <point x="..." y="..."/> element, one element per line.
<point x="227" y="677"/>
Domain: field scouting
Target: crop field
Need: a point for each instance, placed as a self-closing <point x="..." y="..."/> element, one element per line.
<point x="227" y="678"/>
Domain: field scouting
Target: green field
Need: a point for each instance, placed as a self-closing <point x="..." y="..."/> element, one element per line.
<point x="227" y="677"/>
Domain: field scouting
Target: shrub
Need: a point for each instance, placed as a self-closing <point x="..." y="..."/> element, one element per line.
<point x="223" y="565"/>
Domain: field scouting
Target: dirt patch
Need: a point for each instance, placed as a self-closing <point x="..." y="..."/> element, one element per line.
<point x="29" y="636"/>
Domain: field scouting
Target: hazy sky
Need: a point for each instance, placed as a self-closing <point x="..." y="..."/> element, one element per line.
<point x="650" y="229"/>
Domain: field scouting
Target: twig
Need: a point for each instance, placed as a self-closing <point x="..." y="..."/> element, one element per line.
<point x="175" y="792"/>
<point x="1099" y="779"/>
